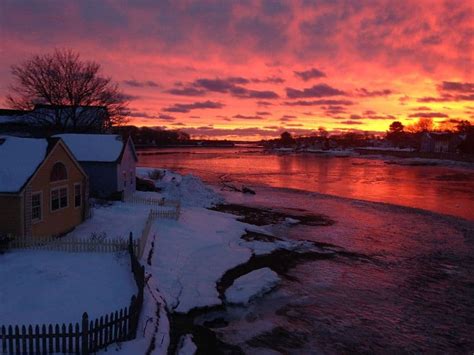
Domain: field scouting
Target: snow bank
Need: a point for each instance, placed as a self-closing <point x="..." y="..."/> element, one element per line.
<point x="254" y="284"/>
<point x="194" y="252"/>
<point x="19" y="157"/>
<point x="187" y="346"/>
<point x="189" y="189"/>
<point x="191" y="254"/>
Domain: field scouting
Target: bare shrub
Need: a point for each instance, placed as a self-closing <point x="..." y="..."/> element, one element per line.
<point x="156" y="174"/>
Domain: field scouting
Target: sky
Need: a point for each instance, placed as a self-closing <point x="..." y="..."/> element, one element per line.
<point x="253" y="69"/>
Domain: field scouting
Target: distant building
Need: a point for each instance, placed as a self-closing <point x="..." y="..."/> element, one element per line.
<point x="440" y="142"/>
<point x="74" y="119"/>
<point x="43" y="189"/>
<point x="109" y="161"/>
<point x="45" y="120"/>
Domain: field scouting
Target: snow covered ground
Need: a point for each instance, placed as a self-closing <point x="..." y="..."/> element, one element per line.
<point x="193" y="253"/>
<point x="116" y="220"/>
<point x="253" y="284"/>
<point x="58" y="287"/>
<point x="184" y="259"/>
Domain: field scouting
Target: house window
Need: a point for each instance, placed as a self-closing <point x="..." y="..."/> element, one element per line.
<point x="124" y="179"/>
<point x="36" y="213"/>
<point x="77" y="195"/>
<point x="58" y="173"/>
<point x="58" y="198"/>
<point x="131" y="177"/>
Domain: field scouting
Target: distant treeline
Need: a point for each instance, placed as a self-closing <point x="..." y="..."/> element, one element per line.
<point x="152" y="136"/>
<point x="159" y="137"/>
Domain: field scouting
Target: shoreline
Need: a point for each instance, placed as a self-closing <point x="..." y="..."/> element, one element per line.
<point x="267" y="250"/>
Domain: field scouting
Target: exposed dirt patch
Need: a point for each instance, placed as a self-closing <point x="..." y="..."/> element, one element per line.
<point x="251" y="236"/>
<point x="280" y="261"/>
<point x="204" y="338"/>
<point x="261" y="216"/>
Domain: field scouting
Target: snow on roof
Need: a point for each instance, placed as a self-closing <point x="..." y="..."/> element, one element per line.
<point x="94" y="147"/>
<point x="19" y="159"/>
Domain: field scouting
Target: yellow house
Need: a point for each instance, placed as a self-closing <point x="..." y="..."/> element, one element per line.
<point x="43" y="189"/>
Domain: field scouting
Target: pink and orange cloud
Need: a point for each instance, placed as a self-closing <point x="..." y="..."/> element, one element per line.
<point x="212" y="67"/>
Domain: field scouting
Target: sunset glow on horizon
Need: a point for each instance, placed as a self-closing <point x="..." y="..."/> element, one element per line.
<point x="249" y="70"/>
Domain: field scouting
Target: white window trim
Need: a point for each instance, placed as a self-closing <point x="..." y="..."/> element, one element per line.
<point x="80" y="186"/>
<point x="34" y="221"/>
<point x="51" y="198"/>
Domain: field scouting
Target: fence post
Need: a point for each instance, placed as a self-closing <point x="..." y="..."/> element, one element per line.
<point x="85" y="334"/>
<point x="133" y="318"/>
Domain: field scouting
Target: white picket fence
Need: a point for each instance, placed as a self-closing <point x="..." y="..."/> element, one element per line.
<point x="69" y="244"/>
<point x="152" y="201"/>
<point x="172" y="211"/>
<point x="145" y="232"/>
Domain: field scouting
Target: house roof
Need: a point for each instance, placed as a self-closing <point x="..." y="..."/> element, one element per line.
<point x="19" y="159"/>
<point x="94" y="147"/>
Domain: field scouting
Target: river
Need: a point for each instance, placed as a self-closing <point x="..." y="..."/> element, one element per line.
<point x="411" y="292"/>
<point x="434" y="188"/>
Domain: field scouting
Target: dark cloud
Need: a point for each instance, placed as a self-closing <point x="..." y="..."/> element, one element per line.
<point x="255" y="94"/>
<point x="264" y="103"/>
<point x="244" y="117"/>
<point x="231" y="85"/>
<point x="351" y="122"/>
<point x="141" y="114"/>
<point x="452" y="91"/>
<point x="270" y="79"/>
<point x="380" y="117"/>
<point x="217" y="132"/>
<point x="185" y="108"/>
<point x="447" y="98"/>
<point x="428" y="115"/>
<point x="309" y="74"/>
<point x="456" y="86"/>
<point x="421" y="108"/>
<point x="141" y="84"/>
<point x="431" y="39"/>
<point x="333" y="110"/>
<point x="166" y="117"/>
<point x="318" y="102"/>
<point x="129" y="97"/>
<point x="319" y="90"/>
<point x="263" y="113"/>
<point x="363" y="92"/>
<point x="186" y="91"/>
<point x="356" y="117"/>
<point x="287" y="118"/>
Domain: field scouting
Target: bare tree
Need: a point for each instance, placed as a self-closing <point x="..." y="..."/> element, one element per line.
<point x="424" y="124"/>
<point x="68" y="93"/>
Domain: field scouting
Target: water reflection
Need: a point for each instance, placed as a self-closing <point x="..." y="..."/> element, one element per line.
<point x="439" y="189"/>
